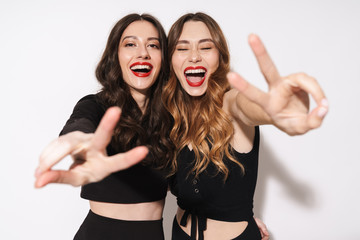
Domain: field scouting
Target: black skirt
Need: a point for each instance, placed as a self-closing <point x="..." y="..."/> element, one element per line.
<point x="96" y="227"/>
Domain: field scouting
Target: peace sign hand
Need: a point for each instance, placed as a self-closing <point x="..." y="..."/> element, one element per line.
<point x="91" y="163"/>
<point x="287" y="100"/>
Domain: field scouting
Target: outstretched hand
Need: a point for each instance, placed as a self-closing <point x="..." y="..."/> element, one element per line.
<point x="91" y="162"/>
<point x="287" y="100"/>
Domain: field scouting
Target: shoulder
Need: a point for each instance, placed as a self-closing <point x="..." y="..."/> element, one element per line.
<point x="88" y="100"/>
<point x="243" y="133"/>
<point x="86" y="115"/>
<point x="89" y="106"/>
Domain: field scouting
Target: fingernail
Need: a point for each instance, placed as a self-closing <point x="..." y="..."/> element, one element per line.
<point x="322" y="112"/>
<point x="324" y="102"/>
<point x="38" y="172"/>
<point x="252" y="35"/>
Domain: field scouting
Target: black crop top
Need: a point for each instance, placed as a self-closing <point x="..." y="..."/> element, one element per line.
<point x="207" y="196"/>
<point x="133" y="185"/>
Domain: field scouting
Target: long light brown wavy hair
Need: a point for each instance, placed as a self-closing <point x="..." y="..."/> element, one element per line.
<point x="200" y="121"/>
<point x="135" y="128"/>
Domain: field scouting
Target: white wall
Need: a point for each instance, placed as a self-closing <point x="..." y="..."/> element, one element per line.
<point x="308" y="186"/>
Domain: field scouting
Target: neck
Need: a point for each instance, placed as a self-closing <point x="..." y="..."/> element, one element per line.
<point x="141" y="99"/>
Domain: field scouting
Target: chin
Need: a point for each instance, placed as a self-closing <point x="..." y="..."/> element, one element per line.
<point x="195" y="93"/>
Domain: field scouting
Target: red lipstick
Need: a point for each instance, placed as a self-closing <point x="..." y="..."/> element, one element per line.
<point x="141" y="69"/>
<point x="195" y="76"/>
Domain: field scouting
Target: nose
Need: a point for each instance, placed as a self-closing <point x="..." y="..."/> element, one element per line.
<point x="194" y="56"/>
<point x="143" y="52"/>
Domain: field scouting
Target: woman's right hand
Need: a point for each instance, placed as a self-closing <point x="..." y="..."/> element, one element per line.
<point x="286" y="104"/>
<point x="91" y="162"/>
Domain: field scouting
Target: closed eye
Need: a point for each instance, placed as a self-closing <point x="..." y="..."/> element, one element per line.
<point x="130" y="45"/>
<point x="154" y="46"/>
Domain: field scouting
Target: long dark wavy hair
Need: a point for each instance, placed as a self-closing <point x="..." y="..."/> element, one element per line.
<point x="201" y="120"/>
<point x="135" y="128"/>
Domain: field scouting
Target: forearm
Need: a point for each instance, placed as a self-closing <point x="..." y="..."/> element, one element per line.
<point x="251" y="113"/>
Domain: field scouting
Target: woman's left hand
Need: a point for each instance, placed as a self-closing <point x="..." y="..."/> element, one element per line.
<point x="287" y="101"/>
<point x="263" y="229"/>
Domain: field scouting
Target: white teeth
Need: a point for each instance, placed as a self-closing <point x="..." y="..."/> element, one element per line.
<point x="137" y="67"/>
<point x="192" y="71"/>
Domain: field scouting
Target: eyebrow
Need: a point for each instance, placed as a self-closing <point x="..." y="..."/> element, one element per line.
<point x="135" y="37"/>
<point x="200" y="41"/>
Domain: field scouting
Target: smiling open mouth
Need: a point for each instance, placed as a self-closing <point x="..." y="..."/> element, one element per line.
<point x="195" y="76"/>
<point x="141" y="69"/>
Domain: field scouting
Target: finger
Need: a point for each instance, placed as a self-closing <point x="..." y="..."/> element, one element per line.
<point x="266" y="65"/>
<point x="309" y="85"/>
<point x="59" y="176"/>
<point x="265" y="237"/>
<point x="248" y="90"/>
<point x="316" y="116"/>
<point x="262" y="227"/>
<point x="104" y="132"/>
<point x="311" y="121"/>
<point x="60" y="148"/>
<point x="125" y="160"/>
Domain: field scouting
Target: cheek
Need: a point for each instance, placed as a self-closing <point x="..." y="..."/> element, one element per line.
<point x="157" y="58"/>
<point x="156" y="62"/>
<point x="215" y="61"/>
<point x="123" y="60"/>
<point x="176" y="63"/>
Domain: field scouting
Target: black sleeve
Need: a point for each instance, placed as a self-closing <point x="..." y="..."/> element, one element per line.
<point x="86" y="116"/>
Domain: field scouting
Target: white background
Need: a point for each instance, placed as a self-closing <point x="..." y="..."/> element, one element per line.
<point x="308" y="186"/>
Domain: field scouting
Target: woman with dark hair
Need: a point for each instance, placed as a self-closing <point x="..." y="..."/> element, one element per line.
<point x="216" y="133"/>
<point x="126" y="202"/>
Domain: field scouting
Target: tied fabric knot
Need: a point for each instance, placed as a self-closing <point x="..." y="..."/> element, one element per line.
<point x="195" y="218"/>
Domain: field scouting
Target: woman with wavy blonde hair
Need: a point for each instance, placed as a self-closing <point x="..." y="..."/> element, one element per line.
<point x="216" y="131"/>
<point x="211" y="123"/>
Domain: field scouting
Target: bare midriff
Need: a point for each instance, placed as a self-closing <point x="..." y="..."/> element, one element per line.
<point x="215" y="230"/>
<point x="130" y="212"/>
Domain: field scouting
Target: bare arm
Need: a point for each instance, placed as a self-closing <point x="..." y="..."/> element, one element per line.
<point x="248" y="112"/>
